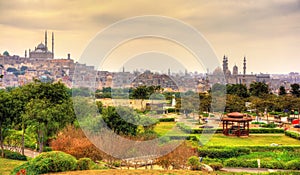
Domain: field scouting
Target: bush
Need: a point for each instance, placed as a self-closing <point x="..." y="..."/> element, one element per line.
<point x="216" y="166"/>
<point x="261" y="148"/>
<point x="292" y="134"/>
<point x="258" y="123"/>
<point x="73" y="141"/>
<point x="234" y="162"/>
<point x="272" y="164"/>
<point x="269" y="125"/>
<point x="171" y="110"/>
<point x="293" y="165"/>
<point x="167" y="120"/>
<point x="85" y="164"/>
<point x="184" y="127"/>
<point x="265" y="130"/>
<point x="223" y="153"/>
<point x="193" y="161"/>
<point x="55" y="161"/>
<point x="14" y="155"/>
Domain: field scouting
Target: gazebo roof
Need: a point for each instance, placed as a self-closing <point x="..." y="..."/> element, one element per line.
<point x="235" y="115"/>
<point x="236" y="119"/>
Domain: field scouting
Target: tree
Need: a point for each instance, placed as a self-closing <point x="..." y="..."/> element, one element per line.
<point x="258" y="89"/>
<point x="282" y="90"/>
<point x="237" y="89"/>
<point x="5" y="117"/>
<point x="140" y="92"/>
<point x="234" y="103"/>
<point x="52" y="101"/>
<point x="295" y="89"/>
<point x="122" y="120"/>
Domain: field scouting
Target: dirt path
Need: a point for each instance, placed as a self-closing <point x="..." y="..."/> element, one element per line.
<point x="254" y="170"/>
<point x="27" y="152"/>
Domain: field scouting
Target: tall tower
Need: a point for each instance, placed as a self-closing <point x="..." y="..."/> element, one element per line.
<point x="225" y="64"/>
<point x="46" y="41"/>
<point x="52" y="45"/>
<point x="244" y="68"/>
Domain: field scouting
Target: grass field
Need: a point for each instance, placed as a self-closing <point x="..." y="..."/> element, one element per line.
<point x="163" y="127"/>
<point x="252" y="140"/>
<point x="221" y="140"/>
<point x="7" y="165"/>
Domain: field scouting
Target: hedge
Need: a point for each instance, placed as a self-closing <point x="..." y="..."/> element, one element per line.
<point x="252" y="163"/>
<point x="292" y="134"/>
<point x="223" y="153"/>
<point x="251" y="130"/>
<point x="167" y="120"/>
<point x="188" y="129"/>
<point x="234" y="162"/>
<point x="259" y="148"/>
<point x="14" y="155"/>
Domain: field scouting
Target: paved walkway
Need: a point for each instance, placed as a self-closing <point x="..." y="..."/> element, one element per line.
<point x="254" y="170"/>
<point x="27" y="152"/>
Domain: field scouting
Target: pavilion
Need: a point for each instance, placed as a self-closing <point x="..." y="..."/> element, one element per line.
<point x="236" y="124"/>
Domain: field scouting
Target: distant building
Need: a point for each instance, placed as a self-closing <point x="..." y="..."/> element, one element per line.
<point x="41" y="52"/>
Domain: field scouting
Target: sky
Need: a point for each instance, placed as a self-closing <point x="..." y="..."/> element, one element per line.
<point x="266" y="32"/>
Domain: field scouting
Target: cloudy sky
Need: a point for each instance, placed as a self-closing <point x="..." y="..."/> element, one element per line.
<point x="266" y="32"/>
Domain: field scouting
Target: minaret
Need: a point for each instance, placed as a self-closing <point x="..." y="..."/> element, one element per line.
<point x="169" y="72"/>
<point x="25" y="53"/>
<point x="52" y="45"/>
<point x="46" y="41"/>
<point x="244" y="68"/>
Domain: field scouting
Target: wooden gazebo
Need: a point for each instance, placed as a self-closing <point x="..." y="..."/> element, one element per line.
<point x="236" y="124"/>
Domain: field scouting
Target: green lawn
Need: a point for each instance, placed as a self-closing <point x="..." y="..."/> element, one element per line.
<point x="163" y="127"/>
<point x="7" y="165"/>
<point x="252" y="140"/>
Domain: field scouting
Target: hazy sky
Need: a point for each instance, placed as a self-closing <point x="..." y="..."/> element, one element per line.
<point x="266" y="32"/>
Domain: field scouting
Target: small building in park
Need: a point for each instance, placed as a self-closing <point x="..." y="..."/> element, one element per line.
<point x="236" y="124"/>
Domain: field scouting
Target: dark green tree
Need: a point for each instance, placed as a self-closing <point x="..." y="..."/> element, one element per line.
<point x="258" y="89"/>
<point x="295" y="89"/>
<point x="237" y="89"/>
<point x="5" y="116"/>
<point x="282" y="90"/>
<point x="122" y="120"/>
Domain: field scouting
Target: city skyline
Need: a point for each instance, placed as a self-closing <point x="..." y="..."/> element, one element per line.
<point x="265" y="32"/>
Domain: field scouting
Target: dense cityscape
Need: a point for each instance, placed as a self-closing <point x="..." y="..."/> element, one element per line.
<point x="149" y="88"/>
<point x="40" y="63"/>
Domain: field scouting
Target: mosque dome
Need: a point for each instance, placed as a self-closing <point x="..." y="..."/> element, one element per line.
<point x="218" y="71"/>
<point x="41" y="46"/>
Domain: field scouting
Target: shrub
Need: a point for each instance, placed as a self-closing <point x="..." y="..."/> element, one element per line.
<point x="293" y="164"/>
<point x="171" y="110"/>
<point x="223" y="153"/>
<point x="234" y="162"/>
<point x="265" y="130"/>
<point x="184" y="127"/>
<point x="216" y="166"/>
<point x="269" y="125"/>
<point x="73" y="141"/>
<point x="194" y="163"/>
<point x="292" y="134"/>
<point x="272" y="164"/>
<point x="85" y="164"/>
<point x="14" y="155"/>
<point x="48" y="162"/>
<point x="167" y="120"/>
<point x="258" y="123"/>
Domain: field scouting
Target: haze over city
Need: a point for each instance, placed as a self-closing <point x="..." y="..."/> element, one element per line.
<point x="266" y="32"/>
